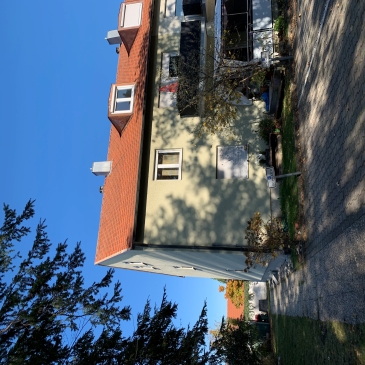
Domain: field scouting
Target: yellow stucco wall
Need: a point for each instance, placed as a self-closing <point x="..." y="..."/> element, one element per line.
<point x="200" y="209"/>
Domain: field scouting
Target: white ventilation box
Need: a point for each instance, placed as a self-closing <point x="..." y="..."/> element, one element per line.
<point x="113" y="37"/>
<point x="102" y="168"/>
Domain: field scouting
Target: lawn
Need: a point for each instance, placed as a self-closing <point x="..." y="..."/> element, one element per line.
<point x="289" y="186"/>
<point x="298" y="340"/>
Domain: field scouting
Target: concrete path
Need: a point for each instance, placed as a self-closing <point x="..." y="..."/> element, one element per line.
<point x="330" y="77"/>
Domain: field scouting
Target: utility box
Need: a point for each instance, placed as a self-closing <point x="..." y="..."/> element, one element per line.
<point x="113" y="37"/>
<point x="101" y="168"/>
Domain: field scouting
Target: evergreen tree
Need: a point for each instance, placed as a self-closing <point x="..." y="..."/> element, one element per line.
<point x="44" y="303"/>
<point x="157" y="340"/>
<point x="48" y="316"/>
<point x="237" y="342"/>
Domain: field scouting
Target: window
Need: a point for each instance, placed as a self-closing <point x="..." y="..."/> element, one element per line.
<point x="170" y="67"/>
<point x="169" y="79"/>
<point x="168" y="164"/>
<point x="170" y="8"/>
<point x="123" y="99"/>
<point x="131" y="15"/>
<point x="184" y="267"/>
<point x="141" y="265"/>
<point x="174" y="66"/>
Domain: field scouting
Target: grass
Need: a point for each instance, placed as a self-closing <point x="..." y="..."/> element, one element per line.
<point x="295" y="259"/>
<point x="299" y="340"/>
<point x="289" y="186"/>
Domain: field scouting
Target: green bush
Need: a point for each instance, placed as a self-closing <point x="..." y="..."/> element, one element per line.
<point x="266" y="126"/>
<point x="258" y="78"/>
<point x="280" y="24"/>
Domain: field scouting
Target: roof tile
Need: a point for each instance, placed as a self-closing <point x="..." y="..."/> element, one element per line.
<point x="120" y="187"/>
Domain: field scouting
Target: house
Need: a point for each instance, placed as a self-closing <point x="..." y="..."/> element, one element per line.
<point x="173" y="205"/>
<point x="233" y="312"/>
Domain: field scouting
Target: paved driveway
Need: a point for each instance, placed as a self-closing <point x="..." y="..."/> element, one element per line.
<point x="330" y="76"/>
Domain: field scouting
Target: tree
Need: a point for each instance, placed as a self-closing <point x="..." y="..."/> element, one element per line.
<point x="237" y="342"/>
<point x="234" y="291"/>
<point x="214" y="91"/>
<point x="264" y="240"/>
<point x="48" y="316"/>
<point x="43" y="300"/>
<point x="158" y="341"/>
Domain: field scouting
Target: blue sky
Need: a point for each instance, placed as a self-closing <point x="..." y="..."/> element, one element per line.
<point x="56" y="71"/>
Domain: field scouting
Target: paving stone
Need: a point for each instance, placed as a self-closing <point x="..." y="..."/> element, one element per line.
<point x="332" y="137"/>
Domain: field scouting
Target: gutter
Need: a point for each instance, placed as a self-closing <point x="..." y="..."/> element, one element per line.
<point x="207" y="249"/>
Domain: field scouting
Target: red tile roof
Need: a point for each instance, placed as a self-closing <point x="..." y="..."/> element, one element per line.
<point x="234" y="312"/>
<point x="120" y="187"/>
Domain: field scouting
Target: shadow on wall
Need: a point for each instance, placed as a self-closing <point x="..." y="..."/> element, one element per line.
<point x="168" y="126"/>
<point x="209" y="211"/>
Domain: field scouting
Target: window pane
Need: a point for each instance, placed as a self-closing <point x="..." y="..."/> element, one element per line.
<point x="168" y="158"/>
<point x="124" y="93"/>
<point x="174" y="66"/>
<point x="122" y="105"/>
<point x="167" y="174"/>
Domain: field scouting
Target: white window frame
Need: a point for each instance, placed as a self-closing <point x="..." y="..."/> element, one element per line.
<point x="166" y="79"/>
<point x="167" y="99"/>
<point x="125" y="6"/>
<point x="141" y="265"/>
<point x="115" y="99"/>
<point x="170" y="8"/>
<point x="168" y="166"/>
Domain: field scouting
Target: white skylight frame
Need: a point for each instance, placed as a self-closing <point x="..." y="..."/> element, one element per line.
<point x="115" y="99"/>
<point x="131" y="15"/>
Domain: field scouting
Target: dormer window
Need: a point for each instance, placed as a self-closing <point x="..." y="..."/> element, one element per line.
<point x="130" y="20"/>
<point x="131" y="15"/>
<point x="123" y="99"/>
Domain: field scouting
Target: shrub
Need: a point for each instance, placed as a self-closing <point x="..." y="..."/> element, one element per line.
<point x="264" y="240"/>
<point x="233" y="291"/>
<point x="266" y="126"/>
<point x="280" y="24"/>
<point x="258" y="78"/>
